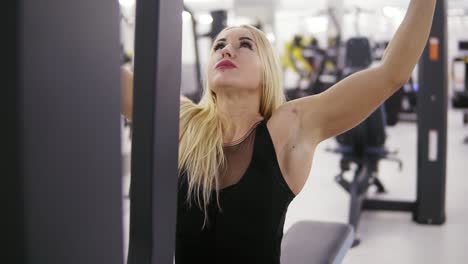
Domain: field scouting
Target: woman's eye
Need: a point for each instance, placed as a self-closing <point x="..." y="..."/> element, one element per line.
<point x="218" y="46"/>
<point x="246" y="44"/>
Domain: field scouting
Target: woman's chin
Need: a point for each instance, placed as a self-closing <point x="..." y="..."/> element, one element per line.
<point x="224" y="84"/>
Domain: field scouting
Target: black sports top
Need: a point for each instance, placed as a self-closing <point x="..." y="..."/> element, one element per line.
<point x="249" y="226"/>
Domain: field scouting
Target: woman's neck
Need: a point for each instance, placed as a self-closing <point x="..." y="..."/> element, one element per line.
<point x="238" y="117"/>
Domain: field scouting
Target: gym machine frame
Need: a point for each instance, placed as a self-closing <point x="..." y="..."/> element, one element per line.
<point x="429" y="207"/>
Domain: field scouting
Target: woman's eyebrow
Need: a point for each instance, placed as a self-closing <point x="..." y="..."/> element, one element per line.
<point x="242" y="38"/>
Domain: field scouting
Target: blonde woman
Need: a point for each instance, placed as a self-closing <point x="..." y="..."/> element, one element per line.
<point x="244" y="154"/>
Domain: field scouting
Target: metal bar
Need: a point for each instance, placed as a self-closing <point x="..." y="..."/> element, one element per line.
<point x="387" y="205"/>
<point x="432" y="123"/>
<point x="356" y="197"/>
<point x="158" y="44"/>
<point x="11" y="181"/>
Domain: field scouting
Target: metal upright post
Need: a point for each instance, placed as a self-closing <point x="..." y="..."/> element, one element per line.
<point x="432" y="123"/>
<point x="153" y="194"/>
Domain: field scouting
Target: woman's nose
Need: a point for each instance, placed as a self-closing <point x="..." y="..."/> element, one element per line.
<point x="227" y="51"/>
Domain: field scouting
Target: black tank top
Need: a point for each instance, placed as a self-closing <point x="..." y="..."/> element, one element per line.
<point x="249" y="226"/>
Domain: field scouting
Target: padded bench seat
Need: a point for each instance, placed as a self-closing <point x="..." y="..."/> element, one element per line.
<point x="313" y="242"/>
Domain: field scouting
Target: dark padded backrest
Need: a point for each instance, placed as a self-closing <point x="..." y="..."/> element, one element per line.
<point x="368" y="134"/>
<point x="375" y="125"/>
<point x="358" y="53"/>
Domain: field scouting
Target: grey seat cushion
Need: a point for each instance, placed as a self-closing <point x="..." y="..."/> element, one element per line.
<point x="313" y="242"/>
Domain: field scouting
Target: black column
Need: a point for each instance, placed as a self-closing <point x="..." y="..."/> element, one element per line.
<point x="432" y="123"/>
<point x="64" y="89"/>
<point x="158" y="44"/>
<point x="11" y="190"/>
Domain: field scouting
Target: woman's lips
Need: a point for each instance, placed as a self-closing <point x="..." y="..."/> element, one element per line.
<point x="225" y="64"/>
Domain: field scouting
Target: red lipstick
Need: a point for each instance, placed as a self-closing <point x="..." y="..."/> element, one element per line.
<point x="225" y="64"/>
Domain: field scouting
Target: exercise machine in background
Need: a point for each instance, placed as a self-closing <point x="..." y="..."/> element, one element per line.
<point x="460" y="89"/>
<point x="316" y="68"/>
<point x="364" y="144"/>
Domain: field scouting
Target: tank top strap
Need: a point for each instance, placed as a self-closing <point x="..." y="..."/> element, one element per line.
<point x="266" y="148"/>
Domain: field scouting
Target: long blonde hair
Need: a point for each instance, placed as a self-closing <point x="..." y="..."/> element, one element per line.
<point x="201" y="155"/>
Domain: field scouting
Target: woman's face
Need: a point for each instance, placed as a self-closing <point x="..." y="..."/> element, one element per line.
<point x="234" y="62"/>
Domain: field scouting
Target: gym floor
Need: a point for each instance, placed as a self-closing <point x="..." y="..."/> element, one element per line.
<point x="386" y="237"/>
